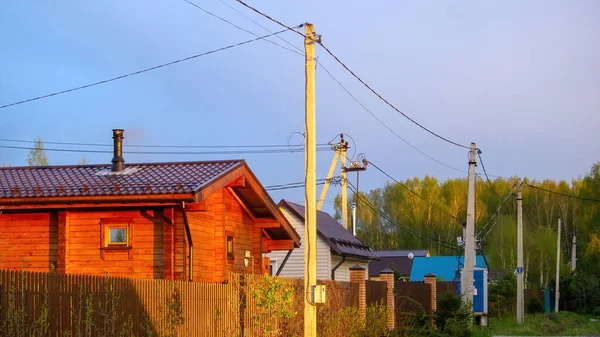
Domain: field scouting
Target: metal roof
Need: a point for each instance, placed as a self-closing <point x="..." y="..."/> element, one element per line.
<point x="339" y="239"/>
<point x="98" y="180"/>
<point x="444" y="267"/>
<point x="402" y="265"/>
<point x="402" y="253"/>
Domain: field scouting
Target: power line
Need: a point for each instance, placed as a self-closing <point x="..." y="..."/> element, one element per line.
<point x="159" y="146"/>
<point x="407" y="229"/>
<point x="486" y="175"/>
<point x="289" y="187"/>
<point x="497" y="213"/>
<point x="300" y="184"/>
<point x="301" y="52"/>
<point x="386" y="101"/>
<point x="318" y="40"/>
<point x="335" y="80"/>
<point x="412" y="191"/>
<point x="264" y="151"/>
<point x="562" y="194"/>
<point x="270" y="18"/>
<point x="238" y="27"/>
<point x="385" y="125"/>
<point x="141" y="71"/>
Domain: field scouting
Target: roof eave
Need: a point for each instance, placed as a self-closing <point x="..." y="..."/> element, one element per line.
<point x="43" y="202"/>
<point x="226" y="177"/>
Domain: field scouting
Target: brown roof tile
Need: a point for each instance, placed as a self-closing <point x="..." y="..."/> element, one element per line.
<point x="97" y="180"/>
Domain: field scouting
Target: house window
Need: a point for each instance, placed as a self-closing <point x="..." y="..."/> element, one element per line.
<point x="273" y="267"/>
<point x="116" y="233"/>
<point x="117" y="236"/>
<point x="230" y="247"/>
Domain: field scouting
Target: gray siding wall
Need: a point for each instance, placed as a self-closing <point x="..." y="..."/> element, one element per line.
<point x="294" y="266"/>
<point x="343" y="271"/>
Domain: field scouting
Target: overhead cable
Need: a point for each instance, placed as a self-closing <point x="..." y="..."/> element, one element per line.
<point x="160" y="146"/>
<point x="238" y="27"/>
<point x="263" y="151"/>
<point x="141" y="71"/>
<point x="416" y="234"/>
<point x="318" y="40"/>
<point x="412" y="191"/>
<point x="561" y="194"/>
<point x="486" y="175"/>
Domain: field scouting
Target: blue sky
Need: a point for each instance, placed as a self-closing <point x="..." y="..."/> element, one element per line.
<point x="520" y="78"/>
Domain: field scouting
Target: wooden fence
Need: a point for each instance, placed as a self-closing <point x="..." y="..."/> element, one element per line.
<point x="52" y="304"/>
<point x="376" y="292"/>
<point x="412" y="297"/>
<point x="443" y="288"/>
<point x="533" y="293"/>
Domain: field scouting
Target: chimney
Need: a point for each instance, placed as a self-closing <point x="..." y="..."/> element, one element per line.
<point x="118" y="163"/>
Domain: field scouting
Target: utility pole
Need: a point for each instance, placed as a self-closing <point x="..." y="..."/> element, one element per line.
<point x="467" y="274"/>
<point x="520" y="294"/>
<point x="354" y="218"/>
<point x="557" y="290"/>
<point x="310" y="235"/>
<point x="355" y="166"/>
<point x="344" y="187"/>
<point x="574" y="253"/>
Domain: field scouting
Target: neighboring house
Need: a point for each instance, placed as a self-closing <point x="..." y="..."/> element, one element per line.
<point x="337" y="249"/>
<point x="187" y="221"/>
<point x="445" y="268"/>
<point x="402" y="253"/>
<point x="400" y="261"/>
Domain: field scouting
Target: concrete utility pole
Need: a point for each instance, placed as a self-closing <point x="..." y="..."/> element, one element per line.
<point x="557" y="290"/>
<point x="574" y="253"/>
<point x="344" y="188"/>
<point x="467" y="274"/>
<point x="310" y="217"/>
<point x="520" y="294"/>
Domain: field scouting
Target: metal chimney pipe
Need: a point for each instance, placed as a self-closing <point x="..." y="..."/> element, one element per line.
<point x="353" y="218"/>
<point x="118" y="163"/>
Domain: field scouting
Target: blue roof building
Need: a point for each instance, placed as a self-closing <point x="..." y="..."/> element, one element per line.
<point x="444" y="267"/>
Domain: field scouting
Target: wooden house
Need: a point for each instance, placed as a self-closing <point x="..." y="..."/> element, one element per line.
<point x="337" y="249"/>
<point x="187" y="221"/>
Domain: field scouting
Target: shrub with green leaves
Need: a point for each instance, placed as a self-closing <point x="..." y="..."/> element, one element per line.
<point x="584" y="292"/>
<point x="273" y="297"/>
<point x="453" y="317"/>
<point x="534" y="306"/>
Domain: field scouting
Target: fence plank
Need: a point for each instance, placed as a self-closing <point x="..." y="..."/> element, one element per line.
<point x="209" y="309"/>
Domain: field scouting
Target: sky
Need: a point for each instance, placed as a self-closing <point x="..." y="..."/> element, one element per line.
<point x="519" y="78"/>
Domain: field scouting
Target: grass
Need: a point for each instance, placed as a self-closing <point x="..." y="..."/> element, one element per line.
<point x="561" y="324"/>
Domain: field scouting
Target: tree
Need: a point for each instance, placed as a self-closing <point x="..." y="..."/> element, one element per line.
<point x="82" y="161"/>
<point x="37" y="155"/>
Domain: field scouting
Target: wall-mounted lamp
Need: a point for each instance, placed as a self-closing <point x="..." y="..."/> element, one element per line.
<point x="247" y="257"/>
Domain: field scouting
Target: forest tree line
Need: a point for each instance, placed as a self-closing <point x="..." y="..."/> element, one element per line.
<point x="392" y="217"/>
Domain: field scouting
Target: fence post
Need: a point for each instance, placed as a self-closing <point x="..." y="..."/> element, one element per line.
<point x="432" y="281"/>
<point x="357" y="275"/>
<point x="387" y="276"/>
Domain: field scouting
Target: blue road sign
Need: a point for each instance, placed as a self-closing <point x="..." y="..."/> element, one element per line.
<point x="519" y="270"/>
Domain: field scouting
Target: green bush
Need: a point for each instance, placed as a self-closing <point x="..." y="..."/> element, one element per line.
<point x="584" y="293"/>
<point x="411" y="319"/>
<point x="447" y="306"/>
<point x="502" y="296"/>
<point x="534" y="306"/>
<point x="347" y="321"/>
<point x="376" y="322"/>
<point x="453" y="318"/>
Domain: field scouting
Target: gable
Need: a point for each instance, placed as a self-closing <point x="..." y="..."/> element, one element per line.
<point x="333" y="233"/>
